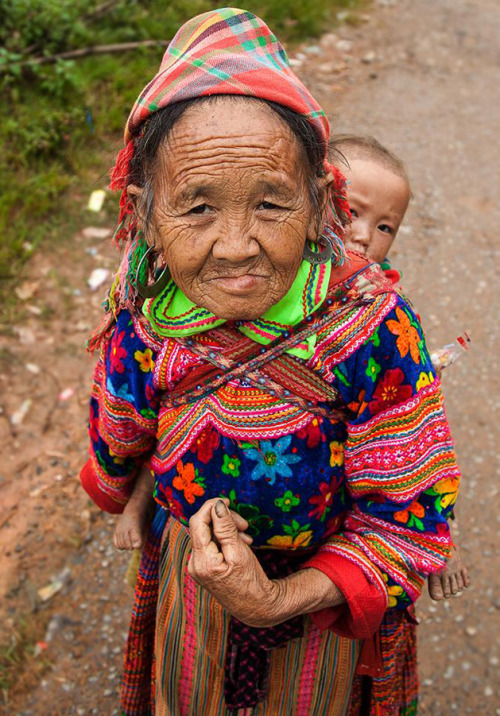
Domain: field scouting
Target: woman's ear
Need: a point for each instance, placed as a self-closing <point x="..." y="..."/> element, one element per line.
<point x="324" y="184"/>
<point x="134" y="194"/>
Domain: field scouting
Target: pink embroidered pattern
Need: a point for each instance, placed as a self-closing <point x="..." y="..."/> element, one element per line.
<point x="405" y="449"/>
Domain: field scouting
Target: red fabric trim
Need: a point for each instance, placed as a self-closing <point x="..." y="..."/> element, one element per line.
<point x="361" y="615"/>
<point x="370" y="660"/>
<point x="355" y="262"/>
<point x="90" y="483"/>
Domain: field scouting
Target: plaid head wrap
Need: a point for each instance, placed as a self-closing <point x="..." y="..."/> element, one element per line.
<point x="222" y="52"/>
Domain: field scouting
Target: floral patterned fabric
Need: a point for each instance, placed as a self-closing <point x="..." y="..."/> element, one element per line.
<point x="375" y="491"/>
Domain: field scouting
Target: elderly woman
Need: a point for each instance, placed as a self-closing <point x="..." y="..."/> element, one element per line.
<point x="279" y="390"/>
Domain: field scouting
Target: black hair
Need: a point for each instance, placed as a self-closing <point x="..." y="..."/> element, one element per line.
<point x="156" y="129"/>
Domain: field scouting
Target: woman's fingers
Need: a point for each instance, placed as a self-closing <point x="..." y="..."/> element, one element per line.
<point x="239" y="521"/>
<point x="200" y="525"/>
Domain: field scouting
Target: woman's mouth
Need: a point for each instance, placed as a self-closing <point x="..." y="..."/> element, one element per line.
<point x="238" y="285"/>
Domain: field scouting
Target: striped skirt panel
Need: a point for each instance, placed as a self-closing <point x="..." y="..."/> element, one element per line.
<point x="310" y="676"/>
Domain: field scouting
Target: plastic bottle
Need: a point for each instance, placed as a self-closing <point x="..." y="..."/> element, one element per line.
<point x="445" y="356"/>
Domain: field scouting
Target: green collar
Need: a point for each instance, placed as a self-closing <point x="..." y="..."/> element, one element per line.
<point x="172" y="314"/>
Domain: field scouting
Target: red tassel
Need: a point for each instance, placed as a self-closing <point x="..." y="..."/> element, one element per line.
<point x="119" y="173"/>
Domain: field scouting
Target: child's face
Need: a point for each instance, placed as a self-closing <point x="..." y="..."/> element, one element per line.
<point x="378" y="198"/>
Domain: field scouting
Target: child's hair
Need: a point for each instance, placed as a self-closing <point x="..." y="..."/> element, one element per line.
<point x="362" y="146"/>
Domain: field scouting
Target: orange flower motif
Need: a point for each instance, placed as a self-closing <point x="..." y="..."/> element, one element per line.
<point x="414" y="509"/>
<point x="408" y="338"/>
<point x="185" y="481"/>
<point x="358" y="406"/>
<point x="145" y="360"/>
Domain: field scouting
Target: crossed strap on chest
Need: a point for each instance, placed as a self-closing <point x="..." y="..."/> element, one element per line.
<point x="270" y="368"/>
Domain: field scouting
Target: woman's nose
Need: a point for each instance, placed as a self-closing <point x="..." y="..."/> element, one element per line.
<point x="235" y="242"/>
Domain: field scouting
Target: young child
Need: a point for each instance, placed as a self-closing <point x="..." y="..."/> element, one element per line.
<point x="379" y="192"/>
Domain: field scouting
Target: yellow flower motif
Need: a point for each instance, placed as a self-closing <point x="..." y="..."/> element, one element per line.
<point x="336" y="454"/>
<point x="145" y="360"/>
<point x="424" y="379"/>
<point x="394" y="592"/>
<point x="116" y="459"/>
<point x="291" y="541"/>
<point x="448" y="488"/>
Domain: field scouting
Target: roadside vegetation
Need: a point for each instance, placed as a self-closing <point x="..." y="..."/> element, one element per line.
<point x="62" y="114"/>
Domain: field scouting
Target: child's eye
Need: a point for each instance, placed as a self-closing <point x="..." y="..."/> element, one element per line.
<point x="386" y="229"/>
<point x="354" y="213"/>
<point x="200" y="209"/>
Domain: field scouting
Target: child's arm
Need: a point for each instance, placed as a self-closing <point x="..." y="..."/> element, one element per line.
<point x="131" y="527"/>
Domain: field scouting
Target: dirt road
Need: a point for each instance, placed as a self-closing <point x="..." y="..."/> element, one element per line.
<point x="423" y="76"/>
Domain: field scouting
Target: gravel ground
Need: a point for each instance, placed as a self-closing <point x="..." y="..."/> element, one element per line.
<point x="423" y="76"/>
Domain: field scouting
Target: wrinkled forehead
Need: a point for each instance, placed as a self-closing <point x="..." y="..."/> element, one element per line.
<point x="233" y="136"/>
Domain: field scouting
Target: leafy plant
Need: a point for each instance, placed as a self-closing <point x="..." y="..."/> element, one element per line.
<point x="61" y="118"/>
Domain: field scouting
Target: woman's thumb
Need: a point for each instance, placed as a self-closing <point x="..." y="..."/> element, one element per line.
<point x="224" y="526"/>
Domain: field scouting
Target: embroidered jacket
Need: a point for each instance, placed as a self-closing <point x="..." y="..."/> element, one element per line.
<point x="371" y="494"/>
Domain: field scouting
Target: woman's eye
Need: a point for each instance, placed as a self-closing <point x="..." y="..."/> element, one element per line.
<point x="385" y="229"/>
<point x="354" y="213"/>
<point x="200" y="209"/>
<point x="268" y="205"/>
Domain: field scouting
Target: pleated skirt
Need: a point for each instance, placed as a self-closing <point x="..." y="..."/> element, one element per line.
<point x="310" y="676"/>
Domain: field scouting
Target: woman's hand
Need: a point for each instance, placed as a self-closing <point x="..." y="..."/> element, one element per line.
<point x="223" y="563"/>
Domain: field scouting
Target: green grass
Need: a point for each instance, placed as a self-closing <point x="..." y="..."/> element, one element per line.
<point x="60" y="126"/>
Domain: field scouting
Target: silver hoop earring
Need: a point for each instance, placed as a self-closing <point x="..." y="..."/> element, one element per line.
<point x="154" y="289"/>
<point x="321" y="257"/>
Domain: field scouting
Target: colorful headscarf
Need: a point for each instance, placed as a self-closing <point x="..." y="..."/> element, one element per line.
<point x="222" y="52"/>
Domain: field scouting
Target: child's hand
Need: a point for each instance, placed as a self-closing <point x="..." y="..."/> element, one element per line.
<point x="453" y="579"/>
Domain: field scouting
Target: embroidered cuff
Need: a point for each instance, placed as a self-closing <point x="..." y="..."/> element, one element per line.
<point x="90" y="483"/>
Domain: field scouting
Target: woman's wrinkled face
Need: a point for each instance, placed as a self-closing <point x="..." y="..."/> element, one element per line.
<point x="231" y="206"/>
